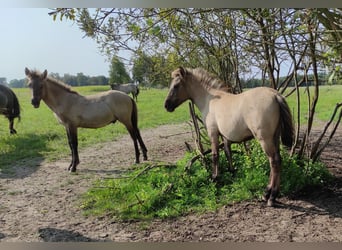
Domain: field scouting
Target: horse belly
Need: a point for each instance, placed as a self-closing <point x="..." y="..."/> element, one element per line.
<point x="228" y="121"/>
<point x="3" y="103"/>
<point x="262" y="118"/>
<point x="235" y="131"/>
<point x="95" y="117"/>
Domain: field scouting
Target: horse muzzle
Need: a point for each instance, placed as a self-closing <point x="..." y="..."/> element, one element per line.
<point x="35" y="103"/>
<point x="169" y="106"/>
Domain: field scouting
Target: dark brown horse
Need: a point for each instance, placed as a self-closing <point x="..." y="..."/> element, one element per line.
<point x="260" y="113"/>
<point x="74" y="110"/>
<point x="9" y="106"/>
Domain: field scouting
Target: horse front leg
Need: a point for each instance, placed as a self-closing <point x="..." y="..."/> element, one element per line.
<point x="215" y="155"/>
<point x="228" y="152"/>
<point x="73" y="144"/>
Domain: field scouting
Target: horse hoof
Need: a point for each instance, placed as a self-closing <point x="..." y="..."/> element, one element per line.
<point x="270" y="203"/>
<point x="214" y="177"/>
<point x="72" y="169"/>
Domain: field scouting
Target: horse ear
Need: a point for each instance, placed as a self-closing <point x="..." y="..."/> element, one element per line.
<point x="44" y="75"/>
<point x="27" y="71"/>
<point x="182" y="71"/>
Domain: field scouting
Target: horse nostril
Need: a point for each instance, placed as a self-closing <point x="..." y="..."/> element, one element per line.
<point x="166" y="104"/>
<point x="35" y="103"/>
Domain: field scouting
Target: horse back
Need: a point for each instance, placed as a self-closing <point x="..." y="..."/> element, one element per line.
<point x="120" y="104"/>
<point x="253" y="113"/>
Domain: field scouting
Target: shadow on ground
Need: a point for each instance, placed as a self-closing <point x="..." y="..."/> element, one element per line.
<point x="25" y="149"/>
<point x="60" y="235"/>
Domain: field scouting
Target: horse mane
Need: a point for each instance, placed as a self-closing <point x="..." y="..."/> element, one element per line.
<point x="56" y="82"/>
<point x="60" y="84"/>
<point x="208" y="80"/>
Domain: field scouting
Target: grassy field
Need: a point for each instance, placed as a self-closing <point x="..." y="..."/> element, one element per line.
<point x="40" y="135"/>
<point x="329" y="96"/>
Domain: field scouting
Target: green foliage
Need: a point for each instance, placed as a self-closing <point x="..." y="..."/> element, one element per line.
<point x="163" y="191"/>
<point x="154" y="71"/>
<point x="117" y="72"/>
<point x="300" y="174"/>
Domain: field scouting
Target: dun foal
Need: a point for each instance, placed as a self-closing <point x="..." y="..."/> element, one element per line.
<point x="260" y="113"/>
<point x="74" y="110"/>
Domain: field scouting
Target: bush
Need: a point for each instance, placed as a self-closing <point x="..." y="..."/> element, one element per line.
<point x="163" y="191"/>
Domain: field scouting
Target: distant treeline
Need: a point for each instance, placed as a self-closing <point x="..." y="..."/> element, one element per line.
<point x="79" y="80"/>
<point x="82" y="80"/>
<point x="322" y="80"/>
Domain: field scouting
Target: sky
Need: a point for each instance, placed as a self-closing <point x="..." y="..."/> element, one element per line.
<point x="30" y="38"/>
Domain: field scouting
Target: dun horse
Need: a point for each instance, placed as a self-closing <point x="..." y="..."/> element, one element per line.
<point x="9" y="106"/>
<point x="128" y="88"/>
<point x="74" y="110"/>
<point x="260" y="113"/>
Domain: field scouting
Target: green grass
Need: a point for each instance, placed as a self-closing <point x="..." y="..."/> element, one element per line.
<point x="40" y="134"/>
<point x="329" y="96"/>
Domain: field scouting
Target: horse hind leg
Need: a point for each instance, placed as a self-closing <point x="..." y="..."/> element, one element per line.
<point x="273" y="187"/>
<point x="11" y="126"/>
<point x="142" y="144"/>
<point x="135" y="143"/>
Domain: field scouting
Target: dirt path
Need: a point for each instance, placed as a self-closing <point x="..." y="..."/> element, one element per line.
<point x="40" y="202"/>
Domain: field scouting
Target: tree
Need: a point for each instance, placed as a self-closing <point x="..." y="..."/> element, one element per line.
<point x="154" y="70"/>
<point x="141" y="70"/>
<point x="3" y="80"/>
<point x="227" y="42"/>
<point x="117" y="72"/>
<point x="15" y="83"/>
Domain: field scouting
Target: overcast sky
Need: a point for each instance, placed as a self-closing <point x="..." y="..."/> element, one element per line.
<point x="30" y="38"/>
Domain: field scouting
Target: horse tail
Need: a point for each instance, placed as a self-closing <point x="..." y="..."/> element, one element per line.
<point x="134" y="119"/>
<point x="134" y="115"/>
<point x="286" y="122"/>
<point x="14" y="111"/>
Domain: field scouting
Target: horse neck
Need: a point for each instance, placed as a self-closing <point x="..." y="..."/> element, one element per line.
<point x="53" y="94"/>
<point x="200" y="95"/>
